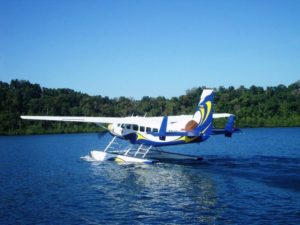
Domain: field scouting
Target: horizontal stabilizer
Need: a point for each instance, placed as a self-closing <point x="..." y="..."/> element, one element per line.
<point x="221" y="115"/>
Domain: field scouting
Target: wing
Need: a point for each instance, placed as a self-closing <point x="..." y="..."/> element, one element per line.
<point x="122" y="120"/>
<point x="98" y="120"/>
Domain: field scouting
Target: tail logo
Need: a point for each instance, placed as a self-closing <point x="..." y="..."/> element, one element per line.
<point x="205" y="112"/>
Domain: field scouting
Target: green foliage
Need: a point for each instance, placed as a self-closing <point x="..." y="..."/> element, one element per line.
<point x="254" y="106"/>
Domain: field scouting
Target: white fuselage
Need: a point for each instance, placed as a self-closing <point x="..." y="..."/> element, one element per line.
<point x="144" y="125"/>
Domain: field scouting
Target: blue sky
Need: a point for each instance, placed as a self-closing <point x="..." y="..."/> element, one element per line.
<point x="138" y="48"/>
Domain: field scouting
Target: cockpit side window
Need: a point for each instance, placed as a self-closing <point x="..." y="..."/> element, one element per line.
<point x="148" y="129"/>
<point x="128" y="126"/>
<point x="142" y="129"/>
<point x="155" y="130"/>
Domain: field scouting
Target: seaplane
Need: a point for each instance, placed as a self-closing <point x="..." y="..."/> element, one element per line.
<point x="147" y="136"/>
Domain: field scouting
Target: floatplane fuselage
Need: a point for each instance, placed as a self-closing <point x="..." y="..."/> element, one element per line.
<point x="149" y="133"/>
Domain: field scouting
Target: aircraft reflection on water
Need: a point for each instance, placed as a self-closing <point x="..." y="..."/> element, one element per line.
<point x="149" y="186"/>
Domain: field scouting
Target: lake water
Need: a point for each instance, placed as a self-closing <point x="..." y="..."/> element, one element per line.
<point x="252" y="178"/>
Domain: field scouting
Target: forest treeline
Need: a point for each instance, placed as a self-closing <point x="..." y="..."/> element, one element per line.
<point x="253" y="107"/>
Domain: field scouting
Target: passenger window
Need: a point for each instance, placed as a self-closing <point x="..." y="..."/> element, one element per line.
<point x="148" y="129"/>
<point x="128" y="126"/>
<point x="135" y="127"/>
<point x="142" y="129"/>
<point x="155" y="130"/>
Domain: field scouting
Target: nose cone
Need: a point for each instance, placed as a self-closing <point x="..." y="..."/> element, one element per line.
<point x="110" y="127"/>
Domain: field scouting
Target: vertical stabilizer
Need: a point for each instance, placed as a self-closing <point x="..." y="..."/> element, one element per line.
<point x="204" y="114"/>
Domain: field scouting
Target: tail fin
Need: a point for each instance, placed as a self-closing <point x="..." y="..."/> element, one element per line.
<point x="200" y="125"/>
<point x="204" y="114"/>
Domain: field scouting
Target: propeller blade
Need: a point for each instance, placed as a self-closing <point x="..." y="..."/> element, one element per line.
<point x="101" y="134"/>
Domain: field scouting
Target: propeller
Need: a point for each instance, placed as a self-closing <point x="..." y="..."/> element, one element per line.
<point x="102" y="133"/>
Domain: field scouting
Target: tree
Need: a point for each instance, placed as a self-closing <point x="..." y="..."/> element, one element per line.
<point x="254" y="106"/>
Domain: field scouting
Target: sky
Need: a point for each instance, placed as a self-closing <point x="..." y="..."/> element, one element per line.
<point x="138" y="48"/>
